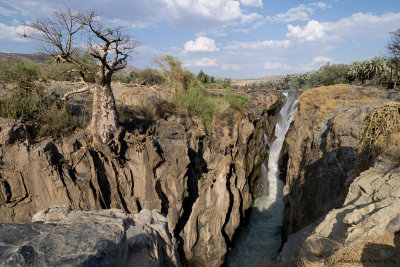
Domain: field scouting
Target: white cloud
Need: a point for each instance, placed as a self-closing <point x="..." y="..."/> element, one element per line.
<point x="201" y="62"/>
<point x="188" y="14"/>
<point x="259" y="45"/>
<point x="249" y="18"/>
<point x="276" y="65"/>
<point x="12" y="33"/>
<point x="313" y="31"/>
<point x="301" y="12"/>
<point x="201" y="44"/>
<point x="7" y="12"/>
<point x="221" y="10"/>
<point x="241" y="30"/>
<point x="321" y="60"/>
<point x="358" y="25"/>
<point x="255" y="3"/>
<point x="235" y="67"/>
<point x="365" y="25"/>
<point x="322" y="5"/>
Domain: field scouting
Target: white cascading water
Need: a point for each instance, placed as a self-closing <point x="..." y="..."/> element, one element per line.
<point x="259" y="241"/>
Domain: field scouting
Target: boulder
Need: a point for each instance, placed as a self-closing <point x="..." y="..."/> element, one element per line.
<point x="68" y="237"/>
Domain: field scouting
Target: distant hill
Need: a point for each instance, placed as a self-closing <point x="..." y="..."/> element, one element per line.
<point x="43" y="58"/>
<point x="128" y="69"/>
<point x="36" y="57"/>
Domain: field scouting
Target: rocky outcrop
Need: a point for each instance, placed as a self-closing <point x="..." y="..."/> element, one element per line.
<point x="89" y="238"/>
<point x="323" y="150"/>
<point x="367" y="224"/>
<point x="200" y="182"/>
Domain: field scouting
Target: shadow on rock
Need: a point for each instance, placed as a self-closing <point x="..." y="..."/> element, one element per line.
<point x="382" y="255"/>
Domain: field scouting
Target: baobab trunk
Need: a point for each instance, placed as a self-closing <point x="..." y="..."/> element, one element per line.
<point x="104" y="126"/>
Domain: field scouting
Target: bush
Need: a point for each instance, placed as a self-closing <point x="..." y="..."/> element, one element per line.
<point x="380" y="130"/>
<point x="171" y="68"/>
<point x="22" y="73"/>
<point x="56" y="120"/>
<point x="47" y="116"/>
<point x="198" y="102"/>
<point x="150" y="77"/>
<point x="21" y="105"/>
<point x="236" y="101"/>
<point x="120" y="77"/>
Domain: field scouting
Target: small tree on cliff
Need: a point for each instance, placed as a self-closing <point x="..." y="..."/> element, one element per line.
<point x="393" y="49"/>
<point x="63" y="35"/>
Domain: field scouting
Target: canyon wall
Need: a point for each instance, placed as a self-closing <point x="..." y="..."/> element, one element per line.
<point x="330" y="199"/>
<point x="200" y="182"/>
<point x="323" y="150"/>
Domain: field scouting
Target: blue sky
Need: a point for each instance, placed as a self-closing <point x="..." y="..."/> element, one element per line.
<point x="230" y="38"/>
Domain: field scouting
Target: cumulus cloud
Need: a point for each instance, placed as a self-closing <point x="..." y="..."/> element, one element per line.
<point x="365" y="25"/>
<point x="235" y="67"/>
<point x="313" y="31"/>
<point x="12" y="33"/>
<point x="357" y="25"/>
<point x="259" y="45"/>
<point x="301" y="12"/>
<point x="222" y="10"/>
<point x="321" y="60"/>
<point x="188" y="14"/>
<point x="201" y="62"/>
<point x="255" y="3"/>
<point x="249" y="18"/>
<point x="276" y="65"/>
<point x="201" y="44"/>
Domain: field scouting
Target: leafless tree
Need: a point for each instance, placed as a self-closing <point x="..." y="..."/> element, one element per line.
<point x="63" y="34"/>
<point x="393" y="49"/>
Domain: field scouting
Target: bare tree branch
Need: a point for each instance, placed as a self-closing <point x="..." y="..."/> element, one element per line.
<point x="86" y="88"/>
<point x="62" y="36"/>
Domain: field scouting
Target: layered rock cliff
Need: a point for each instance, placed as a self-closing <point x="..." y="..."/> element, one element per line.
<point x="323" y="150"/>
<point x="364" y="230"/>
<point x="336" y="212"/>
<point x="200" y="182"/>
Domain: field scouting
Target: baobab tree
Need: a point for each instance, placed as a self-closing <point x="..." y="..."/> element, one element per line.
<point x="62" y="36"/>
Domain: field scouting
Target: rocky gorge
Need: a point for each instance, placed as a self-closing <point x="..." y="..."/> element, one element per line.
<point x="198" y="187"/>
<point x="339" y="203"/>
<point x="202" y="183"/>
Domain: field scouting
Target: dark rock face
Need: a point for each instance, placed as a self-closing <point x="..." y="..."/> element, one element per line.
<point x="322" y="157"/>
<point x="89" y="238"/>
<point x="200" y="182"/>
<point x="366" y="224"/>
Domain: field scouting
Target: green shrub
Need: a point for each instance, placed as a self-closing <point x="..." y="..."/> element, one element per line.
<point x="47" y="116"/>
<point x="202" y="77"/>
<point x="22" y="73"/>
<point x="56" y="120"/>
<point x="171" y="68"/>
<point x="150" y="77"/>
<point x="21" y="105"/>
<point x="236" y="101"/>
<point x="120" y="77"/>
<point x="198" y="102"/>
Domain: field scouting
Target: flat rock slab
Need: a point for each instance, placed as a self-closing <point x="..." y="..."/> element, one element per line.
<point x="88" y="238"/>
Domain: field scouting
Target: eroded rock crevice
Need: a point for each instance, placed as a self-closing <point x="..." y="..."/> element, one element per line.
<point x="201" y="183"/>
<point x="331" y="194"/>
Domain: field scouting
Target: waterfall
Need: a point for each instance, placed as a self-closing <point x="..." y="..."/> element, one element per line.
<point x="260" y="240"/>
